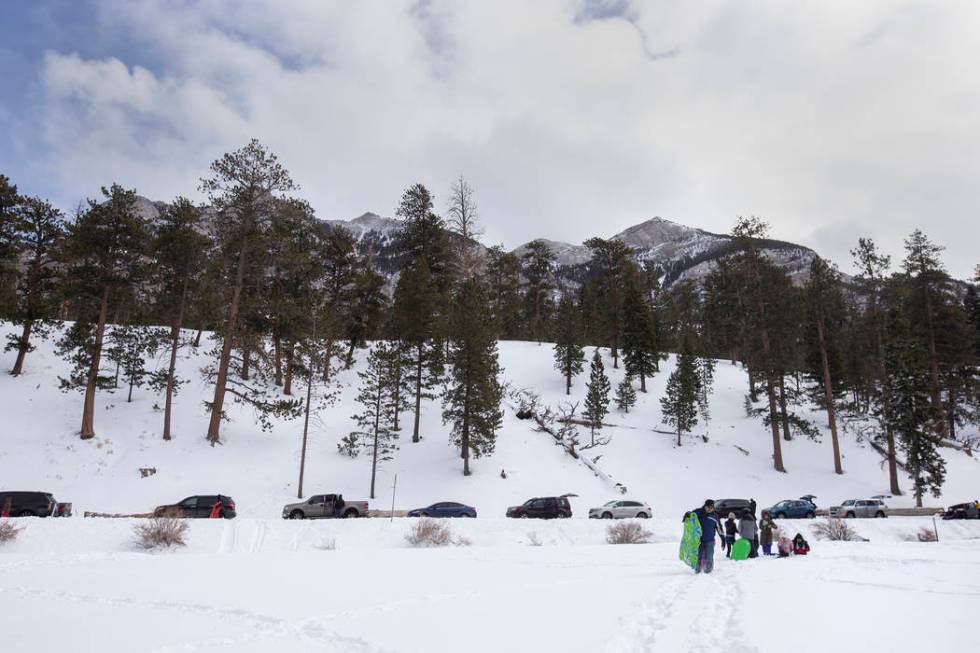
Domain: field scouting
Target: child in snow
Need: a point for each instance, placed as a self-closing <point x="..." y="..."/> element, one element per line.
<point x="749" y="529"/>
<point x="730" y="529"/>
<point x="766" y="529"/>
<point x="785" y="546"/>
<point x="800" y="546"/>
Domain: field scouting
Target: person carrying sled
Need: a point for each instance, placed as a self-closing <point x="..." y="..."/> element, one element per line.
<point x="800" y="546"/>
<point x="731" y="528"/>
<point x="766" y="528"/>
<point x="749" y="529"/>
<point x="710" y="526"/>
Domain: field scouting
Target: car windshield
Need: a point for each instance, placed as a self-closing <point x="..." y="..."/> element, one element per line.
<point x="610" y="503"/>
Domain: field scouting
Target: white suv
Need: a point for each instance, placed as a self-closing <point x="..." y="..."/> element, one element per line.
<point x="860" y="508"/>
<point x="621" y="510"/>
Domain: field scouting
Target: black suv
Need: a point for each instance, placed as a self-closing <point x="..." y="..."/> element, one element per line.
<point x="542" y="508"/>
<point x="199" y="506"/>
<point x="725" y="506"/>
<point x="33" y="504"/>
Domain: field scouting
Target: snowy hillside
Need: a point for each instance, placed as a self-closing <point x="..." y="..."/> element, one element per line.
<point x="39" y="450"/>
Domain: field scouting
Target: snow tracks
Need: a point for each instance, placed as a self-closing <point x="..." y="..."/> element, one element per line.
<point x="688" y="612"/>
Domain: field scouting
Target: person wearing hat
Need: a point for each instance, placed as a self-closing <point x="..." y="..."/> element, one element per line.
<point x="710" y="526"/>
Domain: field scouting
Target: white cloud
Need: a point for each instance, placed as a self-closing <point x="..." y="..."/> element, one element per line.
<point x="832" y="120"/>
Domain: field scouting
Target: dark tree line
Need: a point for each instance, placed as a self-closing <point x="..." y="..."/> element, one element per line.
<point x="285" y="294"/>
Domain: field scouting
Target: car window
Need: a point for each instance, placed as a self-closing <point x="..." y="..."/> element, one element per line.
<point x="530" y="503"/>
<point x="189" y="502"/>
<point x="849" y="502"/>
<point x="609" y="503"/>
<point x="452" y="504"/>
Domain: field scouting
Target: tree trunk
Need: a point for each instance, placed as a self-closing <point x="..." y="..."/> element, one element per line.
<point x="246" y="362"/>
<point x="936" y="390"/>
<point x="678" y="436"/>
<point x="197" y="338"/>
<point x="377" y="420"/>
<point x="277" y="350"/>
<point x="568" y="379"/>
<point x="88" y="407"/>
<point x="172" y="366"/>
<point x="465" y="439"/>
<point x="614" y="351"/>
<point x="828" y="390"/>
<point x="350" y="355"/>
<point x="777" y="449"/>
<point x="783" y="415"/>
<point x="22" y="346"/>
<point x="643" y="380"/>
<point x="878" y="343"/>
<point x="326" y="363"/>
<point x="418" y="389"/>
<point x="287" y="386"/>
<point x="214" y="427"/>
<point x="396" y="393"/>
<point x="306" y="425"/>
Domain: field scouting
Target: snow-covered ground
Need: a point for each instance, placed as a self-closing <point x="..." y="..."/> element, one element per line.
<point x="273" y="585"/>
<point x="259" y="583"/>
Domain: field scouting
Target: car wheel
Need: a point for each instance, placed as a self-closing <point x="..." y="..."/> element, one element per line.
<point x="810" y="515"/>
<point x="423" y="514"/>
<point x="564" y="515"/>
<point x="607" y="515"/>
<point x="466" y="514"/>
<point x="642" y="515"/>
<point x="350" y="514"/>
<point x="524" y="516"/>
<point x="850" y="515"/>
<point x="880" y="515"/>
<point x="780" y="515"/>
<point x="297" y="514"/>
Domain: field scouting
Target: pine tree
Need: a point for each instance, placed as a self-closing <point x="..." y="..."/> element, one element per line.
<point x="463" y="221"/>
<point x="129" y="347"/>
<point x="472" y="401"/>
<point x="365" y="308"/>
<point x="244" y="188"/>
<point x="625" y="394"/>
<point x="679" y="406"/>
<point x="36" y="230"/>
<point x="423" y="235"/>
<point x="640" y="351"/>
<point x="825" y="303"/>
<point x="596" y="395"/>
<point x="925" y="271"/>
<point x="538" y="266"/>
<point x="569" y="355"/>
<point x="414" y="321"/>
<point x="375" y="419"/>
<point x="181" y="250"/>
<point x="9" y="247"/>
<point x="872" y="268"/>
<point x="105" y="253"/>
<point x="906" y="408"/>
<point x="503" y="280"/>
<point x="752" y="268"/>
<point x="706" y="378"/>
<point x="611" y="261"/>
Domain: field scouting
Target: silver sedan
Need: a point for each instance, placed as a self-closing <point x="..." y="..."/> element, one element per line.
<point x="621" y="510"/>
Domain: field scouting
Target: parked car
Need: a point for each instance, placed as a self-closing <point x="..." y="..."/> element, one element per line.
<point x="621" y="510"/>
<point x="444" y="509"/>
<point x="325" y="506"/>
<point x="793" y="509"/>
<point x="737" y="506"/>
<point x="968" y="510"/>
<point x="860" y="508"/>
<point x="198" y="506"/>
<point x="33" y="504"/>
<point x="542" y="508"/>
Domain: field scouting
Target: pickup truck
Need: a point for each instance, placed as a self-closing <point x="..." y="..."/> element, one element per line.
<point x="325" y="506"/>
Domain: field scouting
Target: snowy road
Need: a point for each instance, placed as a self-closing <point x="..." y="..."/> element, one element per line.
<point x="259" y="586"/>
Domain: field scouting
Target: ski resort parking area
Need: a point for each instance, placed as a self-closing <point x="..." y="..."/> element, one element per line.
<point x="505" y="585"/>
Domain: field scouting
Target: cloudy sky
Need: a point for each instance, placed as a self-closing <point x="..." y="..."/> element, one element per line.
<point x="570" y="118"/>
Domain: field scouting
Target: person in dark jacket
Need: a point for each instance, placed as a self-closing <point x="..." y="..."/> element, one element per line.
<point x="800" y="546"/>
<point x="752" y="507"/>
<point x="710" y="526"/>
<point x="731" y="528"/>
<point x="749" y="529"/>
<point x="766" y="527"/>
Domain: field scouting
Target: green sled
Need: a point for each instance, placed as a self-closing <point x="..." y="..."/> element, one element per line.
<point x="741" y="549"/>
<point x="691" y="541"/>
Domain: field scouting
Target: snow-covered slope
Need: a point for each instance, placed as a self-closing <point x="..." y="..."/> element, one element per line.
<point x="39" y="450"/>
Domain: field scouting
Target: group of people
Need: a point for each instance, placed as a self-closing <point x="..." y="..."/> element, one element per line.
<point x="763" y="532"/>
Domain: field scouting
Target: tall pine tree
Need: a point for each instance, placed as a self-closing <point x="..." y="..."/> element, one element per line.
<point x="596" y="396"/>
<point x="569" y="355"/>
